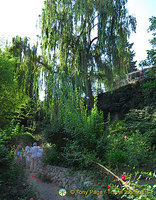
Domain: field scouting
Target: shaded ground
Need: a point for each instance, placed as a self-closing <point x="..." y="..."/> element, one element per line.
<point x="50" y="191"/>
<point x="45" y="191"/>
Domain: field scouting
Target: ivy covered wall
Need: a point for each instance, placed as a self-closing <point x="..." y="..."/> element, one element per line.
<point x="131" y="96"/>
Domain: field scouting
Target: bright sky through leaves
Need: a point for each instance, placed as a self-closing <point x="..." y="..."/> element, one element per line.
<point x="19" y="17"/>
<point x="142" y="10"/>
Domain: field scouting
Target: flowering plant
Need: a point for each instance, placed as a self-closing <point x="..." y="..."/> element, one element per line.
<point x="135" y="190"/>
<point x="123" y="177"/>
<point x="72" y="152"/>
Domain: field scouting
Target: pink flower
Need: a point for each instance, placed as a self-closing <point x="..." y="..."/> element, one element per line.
<point x="125" y="137"/>
<point x="123" y="177"/>
<point x="31" y="199"/>
<point x="108" y="187"/>
<point x="72" y="151"/>
<point x="37" y="179"/>
<point x="127" y="182"/>
<point x="32" y="175"/>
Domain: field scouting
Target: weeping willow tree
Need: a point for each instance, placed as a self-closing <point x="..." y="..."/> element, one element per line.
<point x="85" y="42"/>
<point x="26" y="70"/>
<point x="26" y="73"/>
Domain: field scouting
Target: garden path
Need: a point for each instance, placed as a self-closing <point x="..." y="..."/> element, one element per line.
<point x="45" y="191"/>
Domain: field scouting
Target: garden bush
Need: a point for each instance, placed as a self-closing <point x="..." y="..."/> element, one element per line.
<point x="14" y="134"/>
<point x="132" y="187"/>
<point x="51" y="156"/>
<point x="124" y="143"/>
<point x="128" y="149"/>
<point x="13" y="185"/>
<point x="75" y="130"/>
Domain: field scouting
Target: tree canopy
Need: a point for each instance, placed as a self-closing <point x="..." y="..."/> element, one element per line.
<point x="151" y="54"/>
<point x="86" y="44"/>
<point x="19" y="78"/>
<point x="8" y="88"/>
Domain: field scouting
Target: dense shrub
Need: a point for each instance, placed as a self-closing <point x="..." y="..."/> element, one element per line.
<point x="13" y="183"/>
<point x="144" y="122"/>
<point x="76" y="126"/>
<point x="132" y="142"/>
<point x="123" y="143"/>
<point x="52" y="156"/>
<point x="55" y="133"/>
<point x="132" y="189"/>
<point x="14" y="134"/>
<point x="12" y="178"/>
<point x="126" y="143"/>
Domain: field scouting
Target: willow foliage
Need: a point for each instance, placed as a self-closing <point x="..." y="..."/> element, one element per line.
<point x="27" y="68"/>
<point x="85" y="42"/>
<point x="7" y="89"/>
<point x="19" y="82"/>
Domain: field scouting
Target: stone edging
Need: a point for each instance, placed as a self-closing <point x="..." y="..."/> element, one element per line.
<point x="62" y="178"/>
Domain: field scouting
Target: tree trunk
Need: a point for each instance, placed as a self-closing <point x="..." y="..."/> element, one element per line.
<point x="90" y="95"/>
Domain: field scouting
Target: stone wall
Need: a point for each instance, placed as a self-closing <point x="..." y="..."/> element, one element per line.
<point x="64" y="179"/>
<point x="132" y="96"/>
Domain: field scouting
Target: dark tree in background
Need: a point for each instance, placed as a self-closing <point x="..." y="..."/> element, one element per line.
<point x="132" y="64"/>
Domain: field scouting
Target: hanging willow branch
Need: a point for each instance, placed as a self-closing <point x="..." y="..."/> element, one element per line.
<point x="85" y="36"/>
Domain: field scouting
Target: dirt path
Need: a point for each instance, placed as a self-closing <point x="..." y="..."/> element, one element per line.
<point x="45" y="191"/>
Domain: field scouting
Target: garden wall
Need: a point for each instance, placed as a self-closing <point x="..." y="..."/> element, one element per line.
<point x="64" y="179"/>
<point x="132" y="96"/>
